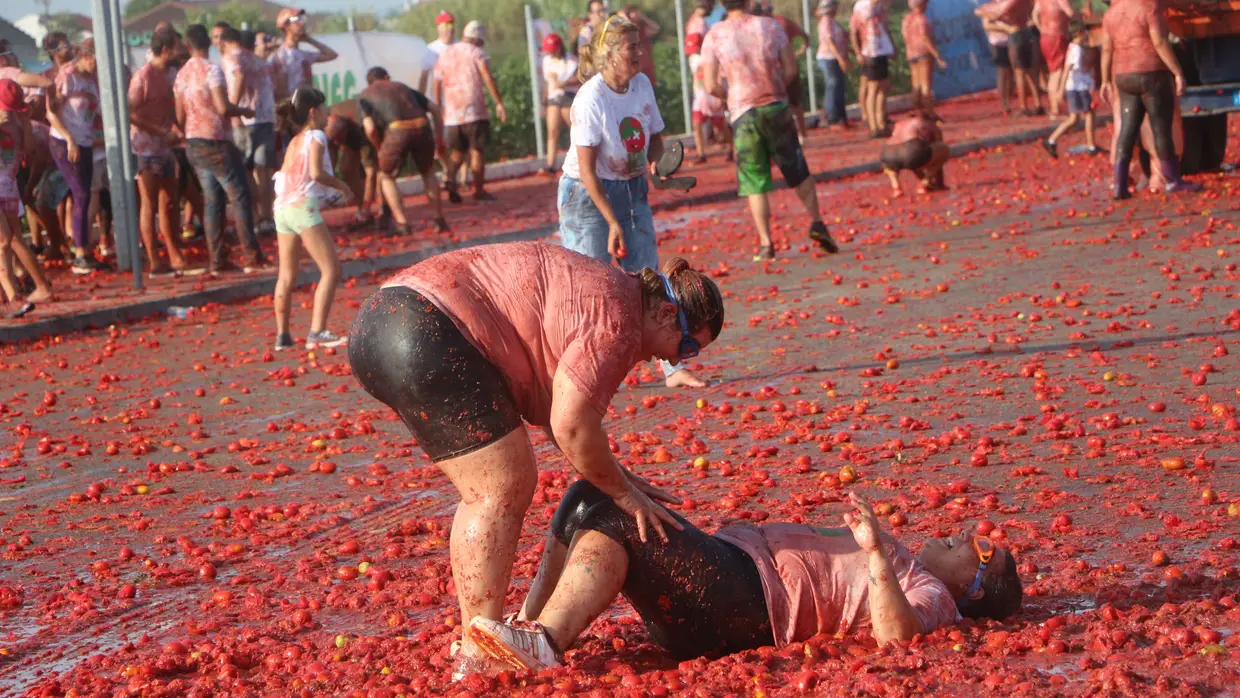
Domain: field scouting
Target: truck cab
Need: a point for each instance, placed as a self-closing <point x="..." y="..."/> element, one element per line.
<point x="1209" y="52"/>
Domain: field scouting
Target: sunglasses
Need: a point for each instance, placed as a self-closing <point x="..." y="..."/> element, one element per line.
<point x="985" y="549"/>
<point x="689" y="346"/>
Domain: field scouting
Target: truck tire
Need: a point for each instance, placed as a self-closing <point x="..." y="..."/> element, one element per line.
<point x="1205" y="143"/>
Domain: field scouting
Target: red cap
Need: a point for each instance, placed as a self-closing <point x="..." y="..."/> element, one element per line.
<point x="693" y="44"/>
<point x="444" y="17"/>
<point x="12" y="96"/>
<point x="552" y="44"/>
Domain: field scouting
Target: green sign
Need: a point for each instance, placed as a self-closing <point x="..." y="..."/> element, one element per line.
<point x="337" y="87"/>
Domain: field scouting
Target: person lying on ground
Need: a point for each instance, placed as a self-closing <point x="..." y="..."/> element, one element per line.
<point x="747" y="586"/>
<point x="916" y="144"/>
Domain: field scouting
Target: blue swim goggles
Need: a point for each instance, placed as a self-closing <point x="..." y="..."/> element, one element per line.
<point x="689" y="346"/>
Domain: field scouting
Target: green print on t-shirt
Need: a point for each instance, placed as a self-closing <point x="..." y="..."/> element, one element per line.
<point x="634" y="138"/>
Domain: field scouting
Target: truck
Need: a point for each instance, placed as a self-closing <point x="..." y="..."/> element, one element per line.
<point x="1209" y="53"/>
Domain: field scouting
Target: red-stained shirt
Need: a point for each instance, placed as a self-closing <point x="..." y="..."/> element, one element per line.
<point x="915" y="127"/>
<point x="1053" y="15"/>
<point x="193" y="85"/>
<point x="464" y="92"/>
<point x="916" y="31"/>
<point x="815" y="580"/>
<point x="747" y="51"/>
<point x="1128" y="24"/>
<point x="531" y="308"/>
<point x="151" y="90"/>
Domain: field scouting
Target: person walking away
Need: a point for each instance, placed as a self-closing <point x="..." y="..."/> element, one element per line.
<point x="248" y="79"/>
<point x="203" y="110"/>
<point x="293" y="63"/>
<point x="71" y="109"/>
<point x="616" y="138"/>
<point x="997" y="36"/>
<point x="708" y="110"/>
<point x="344" y="130"/>
<point x="754" y="56"/>
<point x="402" y="124"/>
<point x="303" y="184"/>
<point x="14" y="132"/>
<point x="647" y="30"/>
<point x="1017" y="16"/>
<point x="916" y="144"/>
<point x="1079" y="64"/>
<point x="835" y="62"/>
<point x="1140" y="70"/>
<point x="1051" y="17"/>
<point x="445" y="29"/>
<point x="794" y="32"/>
<point x="463" y="77"/>
<point x="873" y="43"/>
<point x="152" y="133"/>
<point x="469" y="346"/>
<point x="560" y="78"/>
<point x="922" y="54"/>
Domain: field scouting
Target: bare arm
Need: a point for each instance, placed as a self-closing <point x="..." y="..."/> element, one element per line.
<point x="180" y="110"/>
<point x="325" y="52"/>
<point x="32" y="80"/>
<point x="587" y="157"/>
<point x="1108" y="48"/>
<point x="1158" y="34"/>
<point x="436" y="113"/>
<point x="319" y="175"/>
<point x="226" y="109"/>
<point x="649" y="26"/>
<point x="485" y="68"/>
<point x="932" y="48"/>
<point x="891" y="615"/>
<point x="788" y="59"/>
<point x="711" y="81"/>
<point x="372" y="131"/>
<point x="53" y="119"/>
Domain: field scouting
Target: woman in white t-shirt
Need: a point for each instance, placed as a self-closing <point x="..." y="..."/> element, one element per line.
<point x="559" y="72"/>
<point x="616" y="138"/>
<point x="303" y="184"/>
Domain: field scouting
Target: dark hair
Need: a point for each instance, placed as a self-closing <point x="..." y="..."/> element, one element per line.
<point x="590" y="3"/>
<point x="1003" y="592"/>
<point x="55" y="41"/>
<point x="164" y="39"/>
<point x="730" y="5"/>
<point x="197" y="38"/>
<point x="248" y="39"/>
<point x="296" y="110"/>
<point x="230" y="35"/>
<point x="696" y="294"/>
<point x="221" y="25"/>
<point x="376" y="74"/>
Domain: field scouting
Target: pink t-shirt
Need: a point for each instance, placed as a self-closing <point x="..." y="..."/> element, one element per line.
<point x="916" y="31"/>
<point x="816" y="580"/>
<point x="1053" y="15"/>
<point x="1128" y="24"/>
<point x="464" y="94"/>
<point x="151" y="99"/>
<point x="258" y="93"/>
<point x="193" y="85"/>
<point x="747" y="50"/>
<point x="915" y="127"/>
<point x="529" y="308"/>
<point x="12" y="151"/>
<point x="830" y="34"/>
<point x="296" y="65"/>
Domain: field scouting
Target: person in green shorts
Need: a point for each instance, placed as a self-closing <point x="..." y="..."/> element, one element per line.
<point x="753" y="55"/>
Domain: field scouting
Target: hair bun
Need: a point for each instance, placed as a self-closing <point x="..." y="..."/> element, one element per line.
<point x="674" y="266"/>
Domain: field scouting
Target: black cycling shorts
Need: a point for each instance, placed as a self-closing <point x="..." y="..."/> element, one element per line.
<point x="909" y="155"/>
<point x="875" y="68"/>
<point x="410" y="356"/>
<point x="698" y="595"/>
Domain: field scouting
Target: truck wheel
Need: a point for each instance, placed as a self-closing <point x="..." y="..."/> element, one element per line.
<point x="1205" y="143"/>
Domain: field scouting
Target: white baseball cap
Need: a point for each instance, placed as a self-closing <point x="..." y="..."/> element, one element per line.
<point x="475" y="30"/>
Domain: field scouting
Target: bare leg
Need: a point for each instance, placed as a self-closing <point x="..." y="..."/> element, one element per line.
<point x="451" y="168"/>
<point x="289" y="251"/>
<point x="168" y="210"/>
<point x="761" y="210"/>
<point x="880" y="103"/>
<point x="369" y="189"/>
<point x="1021" y="82"/>
<point x="1089" y="130"/>
<point x="13" y="246"/>
<point x="431" y="186"/>
<point x="1064" y="127"/>
<point x="318" y="242"/>
<point x="590" y="581"/>
<point x="478" y="167"/>
<point x="148" y="194"/>
<point x="1055" y="91"/>
<point x="1004" y="86"/>
<point x="550" y="566"/>
<point x="496" y="484"/>
<point x="391" y="194"/>
<point x="894" y="178"/>
<point x="808" y="195"/>
<point x="862" y="91"/>
<point x="553" y="135"/>
<point x="699" y="139"/>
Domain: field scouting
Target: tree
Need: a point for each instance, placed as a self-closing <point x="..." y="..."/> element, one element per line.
<point x="133" y="8"/>
<point x="66" y="23"/>
<point x="339" y="23"/>
<point x="237" y="14"/>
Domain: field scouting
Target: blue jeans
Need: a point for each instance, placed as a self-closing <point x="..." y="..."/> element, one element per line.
<point x="835" y="90"/>
<point x="221" y="172"/>
<point x="583" y="228"/>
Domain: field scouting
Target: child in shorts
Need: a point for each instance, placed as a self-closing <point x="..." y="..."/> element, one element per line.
<point x="305" y="183"/>
<point x="1079" y="87"/>
<point x="14" y="132"/>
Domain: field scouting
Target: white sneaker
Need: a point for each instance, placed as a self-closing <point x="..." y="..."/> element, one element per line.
<point x="523" y="645"/>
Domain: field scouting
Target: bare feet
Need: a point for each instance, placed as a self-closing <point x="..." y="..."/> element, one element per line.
<point x="684" y="379"/>
<point x="40" y="296"/>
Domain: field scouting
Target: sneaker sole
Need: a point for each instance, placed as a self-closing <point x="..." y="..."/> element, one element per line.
<point x="499" y="650"/>
<point x="311" y="346"/>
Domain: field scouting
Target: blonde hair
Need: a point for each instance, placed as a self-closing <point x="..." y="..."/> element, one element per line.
<point x="607" y="38"/>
